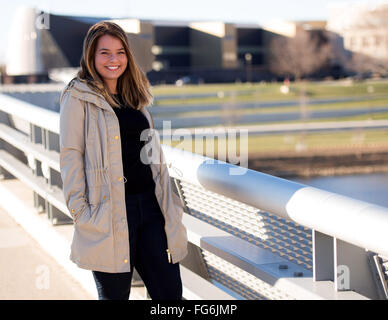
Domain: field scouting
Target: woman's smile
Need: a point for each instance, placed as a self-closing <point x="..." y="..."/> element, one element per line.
<point x="112" y="67"/>
<point x="110" y="60"/>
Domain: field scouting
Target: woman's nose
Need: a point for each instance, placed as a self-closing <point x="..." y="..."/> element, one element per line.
<point x="113" y="57"/>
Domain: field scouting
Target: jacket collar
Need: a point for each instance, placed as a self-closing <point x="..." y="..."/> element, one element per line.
<point x="83" y="92"/>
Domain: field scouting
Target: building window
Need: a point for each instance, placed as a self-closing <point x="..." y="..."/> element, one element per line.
<point x="365" y="42"/>
<point x="352" y="42"/>
<point x="378" y="41"/>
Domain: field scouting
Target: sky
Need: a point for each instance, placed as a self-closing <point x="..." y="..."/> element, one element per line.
<point x="243" y="11"/>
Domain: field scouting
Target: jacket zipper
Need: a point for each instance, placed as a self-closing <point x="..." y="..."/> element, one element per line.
<point x="168" y="255"/>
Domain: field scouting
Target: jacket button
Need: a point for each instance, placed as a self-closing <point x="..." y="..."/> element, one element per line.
<point x="72" y="210"/>
<point x="125" y="260"/>
<point x="120" y="178"/>
<point x="116" y="137"/>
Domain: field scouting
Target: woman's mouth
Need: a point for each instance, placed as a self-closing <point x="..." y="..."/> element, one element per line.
<point x="112" y="68"/>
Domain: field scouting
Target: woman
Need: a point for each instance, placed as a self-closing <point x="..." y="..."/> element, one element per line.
<point x="116" y="186"/>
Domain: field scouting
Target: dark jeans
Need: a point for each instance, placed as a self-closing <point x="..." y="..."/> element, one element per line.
<point x="148" y="255"/>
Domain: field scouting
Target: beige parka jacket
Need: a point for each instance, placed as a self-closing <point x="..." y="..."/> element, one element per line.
<point x="93" y="183"/>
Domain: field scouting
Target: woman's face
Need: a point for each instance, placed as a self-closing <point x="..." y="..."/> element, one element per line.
<point x="110" y="59"/>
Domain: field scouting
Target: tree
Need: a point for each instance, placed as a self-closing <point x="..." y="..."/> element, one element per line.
<point x="298" y="56"/>
<point x="369" y="48"/>
<point x="363" y="64"/>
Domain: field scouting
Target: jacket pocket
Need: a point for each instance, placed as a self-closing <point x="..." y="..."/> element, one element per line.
<point x="96" y="218"/>
<point x="97" y="195"/>
<point x="94" y="221"/>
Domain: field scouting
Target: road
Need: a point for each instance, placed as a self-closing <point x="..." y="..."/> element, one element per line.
<point x="297" y="127"/>
<point x="177" y="122"/>
<point x="164" y="109"/>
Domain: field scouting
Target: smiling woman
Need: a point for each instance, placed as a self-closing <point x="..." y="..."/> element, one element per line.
<point x="108" y="66"/>
<point x="125" y="213"/>
<point x="110" y="60"/>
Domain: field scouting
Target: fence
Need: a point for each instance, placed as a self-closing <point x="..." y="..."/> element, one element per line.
<point x="252" y="236"/>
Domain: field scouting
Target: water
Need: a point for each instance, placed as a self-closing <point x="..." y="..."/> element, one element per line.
<point x="372" y="188"/>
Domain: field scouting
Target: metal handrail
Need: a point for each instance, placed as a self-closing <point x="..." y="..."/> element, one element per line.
<point x="360" y="223"/>
<point x="40" y="117"/>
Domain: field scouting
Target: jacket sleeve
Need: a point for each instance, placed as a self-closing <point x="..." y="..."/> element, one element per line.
<point x="72" y="147"/>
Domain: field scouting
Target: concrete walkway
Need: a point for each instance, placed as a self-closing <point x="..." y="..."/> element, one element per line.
<point x="34" y="254"/>
<point x="28" y="272"/>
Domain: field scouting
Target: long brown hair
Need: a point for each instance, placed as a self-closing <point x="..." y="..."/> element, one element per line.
<point x="133" y="84"/>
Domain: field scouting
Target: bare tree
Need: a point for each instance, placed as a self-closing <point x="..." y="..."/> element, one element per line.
<point x="369" y="30"/>
<point x="2" y="73"/>
<point x="362" y="63"/>
<point x="298" y="56"/>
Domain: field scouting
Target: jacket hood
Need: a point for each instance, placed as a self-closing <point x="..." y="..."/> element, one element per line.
<point x="83" y="92"/>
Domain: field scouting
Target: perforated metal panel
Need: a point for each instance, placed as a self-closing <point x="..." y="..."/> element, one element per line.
<point x="240" y="281"/>
<point x="384" y="266"/>
<point x="283" y="237"/>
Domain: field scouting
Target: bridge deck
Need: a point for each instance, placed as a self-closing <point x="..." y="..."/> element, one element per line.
<point x="27" y="257"/>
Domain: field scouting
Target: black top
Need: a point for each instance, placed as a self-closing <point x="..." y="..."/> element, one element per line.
<point x="132" y="122"/>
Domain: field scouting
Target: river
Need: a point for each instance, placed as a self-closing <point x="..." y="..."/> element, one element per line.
<point x="372" y="188"/>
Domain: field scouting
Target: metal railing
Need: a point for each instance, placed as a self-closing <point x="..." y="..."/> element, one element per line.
<point x="251" y="236"/>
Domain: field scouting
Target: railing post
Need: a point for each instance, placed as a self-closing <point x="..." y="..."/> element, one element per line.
<point x="51" y="142"/>
<point x="36" y="137"/>
<point x="352" y="270"/>
<point x="35" y="134"/>
<point x="323" y="256"/>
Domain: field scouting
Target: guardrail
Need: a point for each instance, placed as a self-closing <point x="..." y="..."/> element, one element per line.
<point x="253" y="236"/>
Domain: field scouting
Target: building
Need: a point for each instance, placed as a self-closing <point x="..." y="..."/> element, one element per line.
<point x="363" y="30"/>
<point x="50" y="46"/>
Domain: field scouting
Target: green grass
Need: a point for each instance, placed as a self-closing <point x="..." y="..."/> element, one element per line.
<point x="267" y="91"/>
<point x="366" y="117"/>
<point x="316" y="141"/>
<point x="373" y="102"/>
<point x="373" y="116"/>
